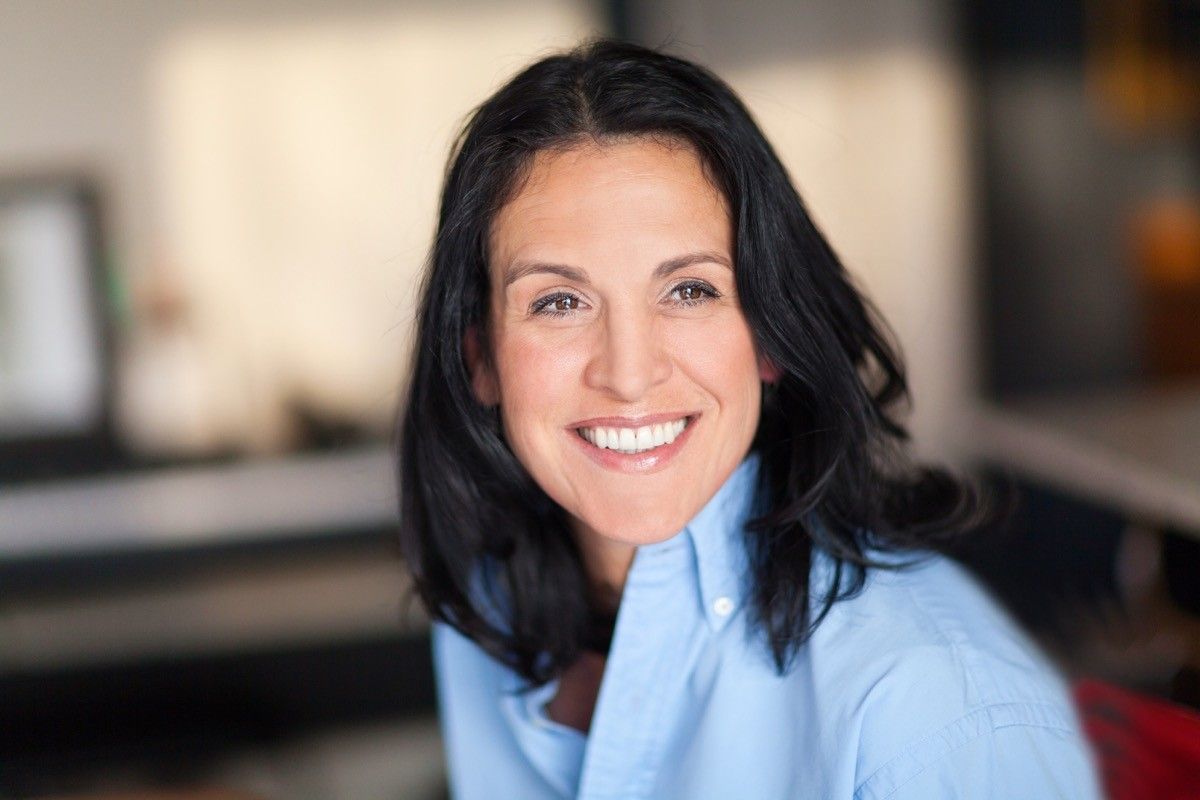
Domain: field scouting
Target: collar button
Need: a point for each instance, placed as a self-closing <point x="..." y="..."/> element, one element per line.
<point x="723" y="606"/>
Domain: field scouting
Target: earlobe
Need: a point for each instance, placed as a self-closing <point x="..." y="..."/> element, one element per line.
<point x="483" y="382"/>
<point x="767" y="371"/>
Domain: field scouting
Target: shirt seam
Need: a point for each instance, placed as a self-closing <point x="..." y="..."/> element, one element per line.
<point x="931" y="604"/>
<point x="955" y="643"/>
<point x="1040" y="709"/>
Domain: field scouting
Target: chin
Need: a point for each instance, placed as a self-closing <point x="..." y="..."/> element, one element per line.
<point x="639" y="529"/>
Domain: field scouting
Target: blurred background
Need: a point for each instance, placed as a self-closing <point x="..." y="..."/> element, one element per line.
<point x="212" y="218"/>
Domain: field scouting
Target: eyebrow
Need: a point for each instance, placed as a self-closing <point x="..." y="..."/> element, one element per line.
<point x="522" y="269"/>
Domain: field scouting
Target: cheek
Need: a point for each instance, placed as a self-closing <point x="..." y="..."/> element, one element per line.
<point x="719" y="355"/>
<point x="539" y="383"/>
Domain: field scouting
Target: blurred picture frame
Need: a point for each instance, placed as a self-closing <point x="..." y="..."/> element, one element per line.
<point x="56" y="376"/>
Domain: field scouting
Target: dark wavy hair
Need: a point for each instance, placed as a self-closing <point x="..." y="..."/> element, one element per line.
<point x="834" y="474"/>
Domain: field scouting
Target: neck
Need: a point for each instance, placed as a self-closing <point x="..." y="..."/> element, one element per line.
<point x="607" y="564"/>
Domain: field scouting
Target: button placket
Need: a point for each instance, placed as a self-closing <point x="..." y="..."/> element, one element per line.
<point x="642" y="671"/>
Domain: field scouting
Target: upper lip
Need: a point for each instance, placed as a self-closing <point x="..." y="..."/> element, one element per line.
<point x="632" y="422"/>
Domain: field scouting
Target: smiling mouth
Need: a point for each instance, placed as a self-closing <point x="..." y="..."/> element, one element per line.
<point x="635" y="440"/>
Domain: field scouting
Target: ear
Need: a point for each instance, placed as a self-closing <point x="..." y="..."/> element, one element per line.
<point x="483" y="381"/>
<point x="767" y="371"/>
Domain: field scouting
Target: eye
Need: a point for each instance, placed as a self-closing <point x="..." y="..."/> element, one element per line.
<point x="693" y="293"/>
<point x="558" y="304"/>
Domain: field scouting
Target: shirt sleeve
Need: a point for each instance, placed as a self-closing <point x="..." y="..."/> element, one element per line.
<point x="1023" y="761"/>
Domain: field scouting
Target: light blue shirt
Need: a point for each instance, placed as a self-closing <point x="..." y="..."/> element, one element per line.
<point x="918" y="687"/>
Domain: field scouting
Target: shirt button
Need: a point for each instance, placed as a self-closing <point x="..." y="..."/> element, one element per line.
<point x="723" y="606"/>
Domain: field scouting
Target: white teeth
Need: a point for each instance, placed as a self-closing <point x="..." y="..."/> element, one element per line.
<point x="634" y="440"/>
<point x="645" y="438"/>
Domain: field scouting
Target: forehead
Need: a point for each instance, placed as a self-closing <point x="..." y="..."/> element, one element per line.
<point x="607" y="197"/>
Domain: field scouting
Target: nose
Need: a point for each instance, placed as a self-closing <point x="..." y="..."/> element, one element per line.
<point x="629" y="357"/>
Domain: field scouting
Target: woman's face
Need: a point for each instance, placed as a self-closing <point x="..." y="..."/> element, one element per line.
<point x="626" y="375"/>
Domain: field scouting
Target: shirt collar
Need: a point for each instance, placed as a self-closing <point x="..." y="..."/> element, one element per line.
<point x="718" y="538"/>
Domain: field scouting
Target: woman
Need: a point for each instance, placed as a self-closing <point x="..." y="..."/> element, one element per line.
<point x="652" y="495"/>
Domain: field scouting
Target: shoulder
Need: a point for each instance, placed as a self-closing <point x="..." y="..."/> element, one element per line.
<point x="458" y="660"/>
<point x="934" y="616"/>
<point x="932" y="672"/>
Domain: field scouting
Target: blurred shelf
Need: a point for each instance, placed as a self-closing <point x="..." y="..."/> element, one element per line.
<point x="1137" y="451"/>
<point x="267" y="603"/>
<point x="256" y="500"/>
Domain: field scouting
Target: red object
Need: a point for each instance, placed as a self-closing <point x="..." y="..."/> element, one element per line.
<point x="1146" y="748"/>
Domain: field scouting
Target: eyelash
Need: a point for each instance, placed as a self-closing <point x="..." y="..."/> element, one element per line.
<point x="544" y="305"/>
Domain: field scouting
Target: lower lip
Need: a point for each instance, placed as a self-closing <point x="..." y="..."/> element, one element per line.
<point x="639" y="463"/>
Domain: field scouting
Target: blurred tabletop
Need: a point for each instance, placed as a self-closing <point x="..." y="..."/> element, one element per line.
<point x="1135" y="450"/>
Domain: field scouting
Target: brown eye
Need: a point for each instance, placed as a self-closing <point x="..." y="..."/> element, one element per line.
<point x="556" y="305"/>
<point x="693" y="293"/>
